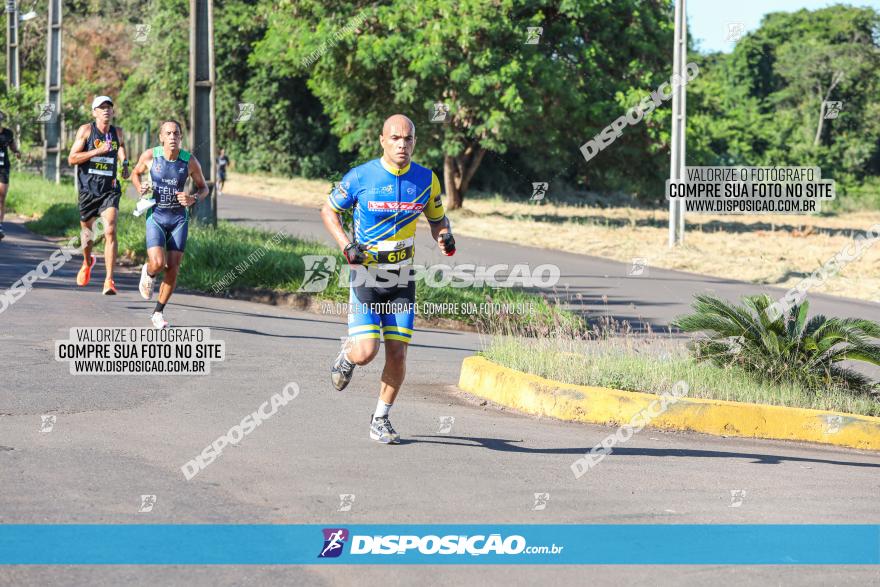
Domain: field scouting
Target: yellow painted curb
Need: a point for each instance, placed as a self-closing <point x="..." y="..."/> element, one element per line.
<point x="600" y="405"/>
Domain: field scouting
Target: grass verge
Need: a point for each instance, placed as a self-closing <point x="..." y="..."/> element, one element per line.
<point x="653" y="365"/>
<point x="215" y="254"/>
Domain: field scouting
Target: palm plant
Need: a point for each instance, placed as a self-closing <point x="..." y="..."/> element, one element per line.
<point x="790" y="348"/>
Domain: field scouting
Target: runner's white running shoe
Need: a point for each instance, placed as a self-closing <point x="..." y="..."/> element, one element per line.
<point x="382" y="431"/>
<point x="146" y="285"/>
<point x="158" y="320"/>
<point x="341" y="371"/>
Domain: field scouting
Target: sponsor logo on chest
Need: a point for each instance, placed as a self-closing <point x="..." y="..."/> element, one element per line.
<point x="395" y="207"/>
<point x="98" y="143"/>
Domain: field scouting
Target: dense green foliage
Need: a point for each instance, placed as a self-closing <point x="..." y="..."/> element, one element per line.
<point x="762" y="104"/>
<point x="323" y="74"/>
<point x="790" y="348"/>
<point x="502" y="93"/>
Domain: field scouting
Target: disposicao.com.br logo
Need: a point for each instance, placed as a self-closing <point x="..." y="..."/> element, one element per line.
<point x="451" y="544"/>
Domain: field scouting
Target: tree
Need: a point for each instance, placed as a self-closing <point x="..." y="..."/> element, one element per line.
<point x="816" y="68"/>
<point x="760" y="104"/>
<point x="288" y="133"/>
<point x="366" y="62"/>
<point x="158" y="87"/>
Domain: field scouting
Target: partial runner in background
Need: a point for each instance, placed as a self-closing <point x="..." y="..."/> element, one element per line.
<point x="7" y="143"/>
<point x="96" y="149"/>
<point x="222" y="164"/>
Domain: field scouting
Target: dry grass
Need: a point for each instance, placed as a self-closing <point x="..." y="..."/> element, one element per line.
<point x="777" y="250"/>
<point x="305" y="192"/>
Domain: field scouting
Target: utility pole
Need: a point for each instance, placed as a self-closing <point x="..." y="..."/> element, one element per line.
<point x="201" y="100"/>
<point x="12" y="63"/>
<point x="679" y="126"/>
<point x="52" y="126"/>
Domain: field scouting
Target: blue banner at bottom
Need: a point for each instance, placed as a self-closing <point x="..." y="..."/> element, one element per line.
<point x="268" y="544"/>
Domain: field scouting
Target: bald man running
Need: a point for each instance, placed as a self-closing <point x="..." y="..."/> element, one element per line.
<point x="387" y="196"/>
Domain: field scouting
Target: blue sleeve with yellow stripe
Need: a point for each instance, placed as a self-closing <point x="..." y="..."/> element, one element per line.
<point x="344" y="194"/>
<point x="434" y="211"/>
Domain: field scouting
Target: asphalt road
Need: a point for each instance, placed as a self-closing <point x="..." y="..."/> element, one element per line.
<point x="655" y="296"/>
<point x="117" y="438"/>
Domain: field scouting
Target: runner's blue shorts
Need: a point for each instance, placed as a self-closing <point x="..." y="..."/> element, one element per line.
<point x="167" y="229"/>
<point x="386" y="310"/>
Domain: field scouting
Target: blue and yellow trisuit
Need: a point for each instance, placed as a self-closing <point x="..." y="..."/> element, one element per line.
<point x="386" y="203"/>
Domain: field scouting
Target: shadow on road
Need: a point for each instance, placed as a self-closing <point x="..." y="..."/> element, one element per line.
<point x="334" y="339"/>
<point x="216" y="328"/>
<point x="510" y="446"/>
<point x="267" y="220"/>
<point x="240" y="313"/>
<point x="728" y="226"/>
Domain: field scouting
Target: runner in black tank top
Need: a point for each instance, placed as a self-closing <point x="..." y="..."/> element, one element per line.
<point x="96" y="179"/>
<point x="97" y="148"/>
<point x="7" y="143"/>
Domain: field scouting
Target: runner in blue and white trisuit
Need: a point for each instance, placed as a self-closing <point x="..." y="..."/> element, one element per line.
<point x="168" y="221"/>
<point x="387" y="196"/>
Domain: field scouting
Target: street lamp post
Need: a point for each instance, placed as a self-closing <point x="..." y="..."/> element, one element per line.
<point x="201" y="101"/>
<point x="13" y="76"/>
<point x="12" y="62"/>
<point x="52" y="128"/>
<point x="679" y="126"/>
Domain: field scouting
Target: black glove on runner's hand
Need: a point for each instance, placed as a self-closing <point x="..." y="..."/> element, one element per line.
<point x="448" y="243"/>
<point x="354" y="253"/>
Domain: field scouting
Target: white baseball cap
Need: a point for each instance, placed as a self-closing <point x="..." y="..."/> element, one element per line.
<point x="100" y="100"/>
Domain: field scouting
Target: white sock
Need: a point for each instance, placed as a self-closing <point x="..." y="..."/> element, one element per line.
<point x="346" y="346"/>
<point x="382" y="409"/>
